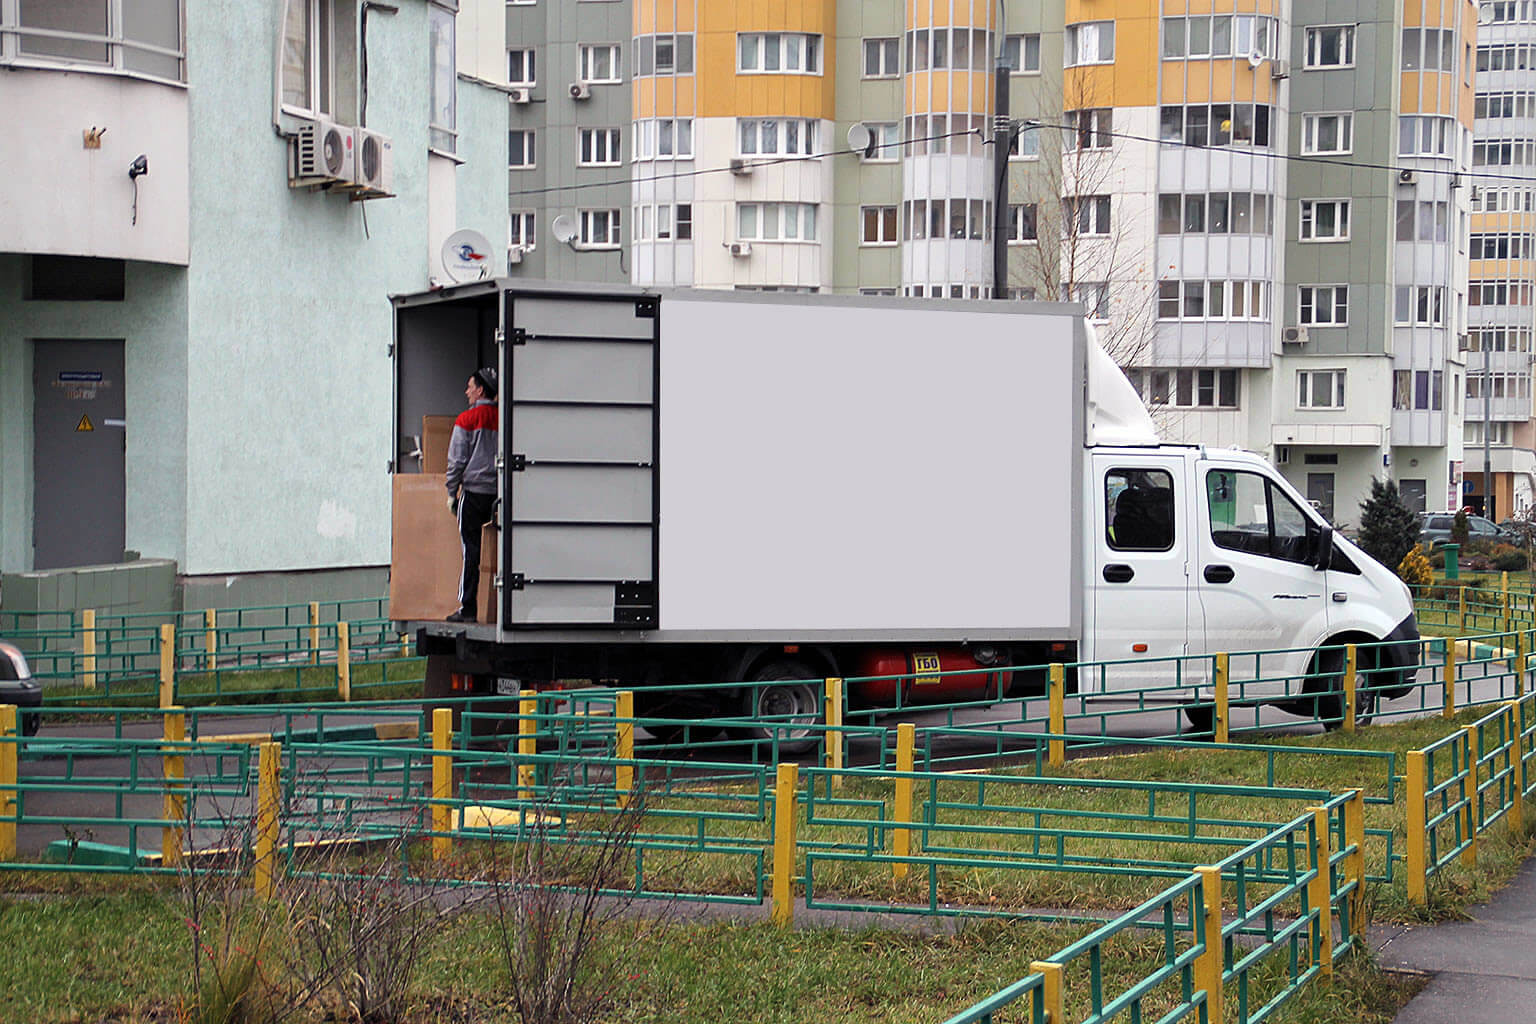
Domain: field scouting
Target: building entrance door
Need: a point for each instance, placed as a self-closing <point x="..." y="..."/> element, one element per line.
<point x="1320" y="493"/>
<point x="78" y="441"/>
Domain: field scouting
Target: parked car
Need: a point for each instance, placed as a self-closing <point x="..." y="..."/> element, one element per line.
<point x="1435" y="527"/>
<point x="18" y="687"/>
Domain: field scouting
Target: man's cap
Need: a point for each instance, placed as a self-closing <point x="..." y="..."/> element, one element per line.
<point x="486" y="375"/>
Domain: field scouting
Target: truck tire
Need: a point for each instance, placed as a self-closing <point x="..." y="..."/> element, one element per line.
<point x="796" y="705"/>
<point x="1327" y="681"/>
<point x="1201" y="719"/>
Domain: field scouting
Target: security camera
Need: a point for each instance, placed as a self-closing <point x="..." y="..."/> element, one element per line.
<point x="139" y="166"/>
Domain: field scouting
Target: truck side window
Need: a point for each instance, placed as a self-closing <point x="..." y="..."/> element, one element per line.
<point x="1138" y="509"/>
<point x="1250" y="514"/>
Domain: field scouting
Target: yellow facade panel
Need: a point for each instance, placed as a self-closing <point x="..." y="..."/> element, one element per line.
<point x="1501" y="270"/>
<point x="1413" y="13"/>
<point x="1218" y="81"/>
<point x="1409" y="102"/>
<point x="1173" y="89"/>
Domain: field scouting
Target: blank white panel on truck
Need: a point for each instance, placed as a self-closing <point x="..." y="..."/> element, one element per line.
<point x="858" y="468"/>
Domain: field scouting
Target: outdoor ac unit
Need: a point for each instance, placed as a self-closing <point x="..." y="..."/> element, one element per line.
<point x="1282" y="454"/>
<point x="1407" y="178"/>
<point x="1294" y="335"/>
<point x="1279" y="68"/>
<point x="741" y="249"/>
<point x="322" y="153"/>
<point x="375" y="160"/>
<point x="1463" y="342"/>
<point x="514" y="255"/>
<point x="1477" y="193"/>
<point x="740" y="166"/>
<point x="520" y="95"/>
<point x="581" y="91"/>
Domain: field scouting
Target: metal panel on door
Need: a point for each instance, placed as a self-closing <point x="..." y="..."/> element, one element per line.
<point x="78" y="442"/>
<point x="579" y="542"/>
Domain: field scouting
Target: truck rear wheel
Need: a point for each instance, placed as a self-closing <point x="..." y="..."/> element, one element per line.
<point x="793" y="707"/>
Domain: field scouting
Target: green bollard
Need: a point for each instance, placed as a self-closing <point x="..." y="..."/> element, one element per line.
<point x="1452" y="566"/>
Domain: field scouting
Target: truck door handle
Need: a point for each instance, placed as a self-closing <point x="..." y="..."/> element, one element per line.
<point x="1219" y="574"/>
<point x="1118" y="573"/>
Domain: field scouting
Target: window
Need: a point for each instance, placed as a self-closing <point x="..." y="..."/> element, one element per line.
<point x="520" y="150"/>
<point x="953" y="218"/>
<point x="442" y="122"/>
<point x="1503" y="152"/>
<point x="1138" y="509"/>
<point x="522" y="231"/>
<point x="1087" y="129"/>
<point x="1422" y="305"/>
<point x="1498" y="293"/>
<point x="776" y="222"/>
<point x="599" y="63"/>
<point x="1024" y="144"/>
<point x="1090" y="42"/>
<point x="1503" y="246"/>
<point x="1213" y="300"/>
<point x="663" y="222"/>
<point x="773" y="137"/>
<point x="879" y="225"/>
<point x="1094" y="295"/>
<point x="599" y="229"/>
<point x="1330" y="46"/>
<point x="1323" y="305"/>
<point x="1493" y="105"/>
<point x="1327" y="133"/>
<point x="1190" y="388"/>
<point x="1237" y="213"/>
<point x="598" y="147"/>
<point x="1253" y="515"/>
<point x="142" y="37"/>
<point x="1501" y="12"/>
<point x="1023" y="223"/>
<point x="1319" y="389"/>
<point x="1217" y="124"/>
<point x="316" y="51"/>
<point x="521" y="66"/>
<point x="1086" y="215"/>
<point x="778" y="53"/>
<point x="664" y="54"/>
<point x="1222" y="35"/>
<point x="956" y="49"/>
<point x="1424" y="135"/>
<point x="1429" y="49"/>
<point x="1022" y="54"/>
<point x="664" y="138"/>
<point x="882" y="58"/>
<point x="1509" y="57"/>
<point x="960" y="134"/>
<point x="1324" y="220"/>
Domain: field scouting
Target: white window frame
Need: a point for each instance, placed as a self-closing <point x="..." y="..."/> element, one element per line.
<point x="1096" y="125"/>
<point x="1017" y="150"/>
<point x="648" y="51"/>
<point x="112" y="49"/>
<point x="1306" y="227"/>
<point x="805" y="134"/>
<point x="1311" y="129"/>
<point x="803" y="49"/>
<point x="529" y="76"/>
<point x="653" y="134"/>
<point x="443" y="91"/>
<point x="887" y="141"/>
<point x="599" y="229"/>
<point x="530" y="149"/>
<point x="792" y="222"/>
<point x="881" y="221"/>
<point x="587" y="63"/>
<point x="320" y="58"/>
<point x="1096" y="210"/>
<point x="1088" y="42"/>
<point x="599" y="147"/>
<point x="887" y="50"/>
<point x="522" y="229"/>
<point x="1094" y="296"/>
<point x="1016" y="220"/>
<point x="1314" y="47"/>
<point x="1307" y="383"/>
<point x="1017" y="52"/>
<point x="1337" y="296"/>
<point x="1425" y="304"/>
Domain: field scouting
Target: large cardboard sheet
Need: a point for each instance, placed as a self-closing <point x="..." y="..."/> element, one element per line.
<point x="436" y="432"/>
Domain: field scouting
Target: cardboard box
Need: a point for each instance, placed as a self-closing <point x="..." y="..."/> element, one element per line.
<point x="436" y="432"/>
<point x="489" y="534"/>
<point x="425" y="555"/>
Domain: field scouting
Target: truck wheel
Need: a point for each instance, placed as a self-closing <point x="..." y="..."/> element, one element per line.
<point x="794" y="706"/>
<point x="1201" y="718"/>
<point x="1327" y="681"/>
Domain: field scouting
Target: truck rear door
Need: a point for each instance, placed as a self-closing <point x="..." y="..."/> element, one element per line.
<point x="1139" y="581"/>
<point x="579" y="542"/>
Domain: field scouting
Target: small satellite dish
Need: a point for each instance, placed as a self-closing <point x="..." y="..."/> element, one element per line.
<point x="467" y="256"/>
<point x="1256" y="58"/>
<point x="861" y="139"/>
<point x="563" y="228"/>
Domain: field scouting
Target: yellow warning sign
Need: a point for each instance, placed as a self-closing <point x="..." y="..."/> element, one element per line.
<point x="84" y="426"/>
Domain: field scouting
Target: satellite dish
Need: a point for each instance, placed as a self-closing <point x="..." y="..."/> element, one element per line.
<point x="861" y="139"/>
<point x="467" y="256"/>
<point x="563" y="228"/>
<point x="1256" y="58"/>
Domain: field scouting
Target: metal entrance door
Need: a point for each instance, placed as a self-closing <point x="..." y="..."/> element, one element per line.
<point x="579" y="423"/>
<point x="78" y="438"/>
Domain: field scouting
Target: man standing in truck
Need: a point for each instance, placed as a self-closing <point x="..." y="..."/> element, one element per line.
<point x="472" y="482"/>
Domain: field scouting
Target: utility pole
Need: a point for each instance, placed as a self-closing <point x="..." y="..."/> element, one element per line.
<point x="1002" y="133"/>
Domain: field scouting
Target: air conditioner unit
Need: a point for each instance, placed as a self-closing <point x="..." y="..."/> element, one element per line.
<point x="1407" y="178"/>
<point x="321" y="154"/>
<point x="741" y="249"/>
<point x="1282" y="454"/>
<point x="740" y="166"/>
<point x="514" y="255"/>
<point x="1477" y="193"/>
<point x="375" y="159"/>
<point x="520" y="95"/>
<point x="1463" y="342"/>
<point x="1294" y="335"/>
<point x="1279" y="68"/>
<point x="580" y="91"/>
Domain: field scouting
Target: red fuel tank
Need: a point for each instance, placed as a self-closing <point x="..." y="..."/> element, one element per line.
<point x="929" y="676"/>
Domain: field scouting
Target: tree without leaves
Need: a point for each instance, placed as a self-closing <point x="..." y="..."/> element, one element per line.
<point x="1389" y="529"/>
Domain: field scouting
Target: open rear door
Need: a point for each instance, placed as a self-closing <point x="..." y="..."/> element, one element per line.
<point x="579" y="433"/>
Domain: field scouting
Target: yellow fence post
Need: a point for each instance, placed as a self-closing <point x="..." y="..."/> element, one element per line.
<point x="314" y="632"/>
<point x="1516" y="770"/>
<point x="624" y="725"/>
<point x="88" y="627"/>
<point x="1468" y="789"/>
<point x="173" y="772"/>
<point x="1057" y="755"/>
<point x="1208" y="964"/>
<point x="834" y="689"/>
<point x="268" y="802"/>
<point x="901" y="838"/>
<point x="344" y="661"/>
<point x="10" y="736"/>
<point x="442" y="782"/>
<point x="1223" y="700"/>
<point x="1318" y="889"/>
<point x="1351" y="683"/>
<point x="405" y="645"/>
<point x="785" y="785"/>
<point x="1417" y="828"/>
<point x="167" y="664"/>
<point x="527" y="742"/>
<point x="1053" y="991"/>
<point x="1448" y="707"/>
<point x="211" y="638"/>
<point x="1354" y="867"/>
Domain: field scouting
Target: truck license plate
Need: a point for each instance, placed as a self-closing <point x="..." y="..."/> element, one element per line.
<point x="925" y="668"/>
<point x="508" y="687"/>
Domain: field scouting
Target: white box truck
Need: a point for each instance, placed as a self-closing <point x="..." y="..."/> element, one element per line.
<point x="700" y="487"/>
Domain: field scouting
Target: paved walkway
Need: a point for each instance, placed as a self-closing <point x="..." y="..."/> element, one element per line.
<point x="1483" y="969"/>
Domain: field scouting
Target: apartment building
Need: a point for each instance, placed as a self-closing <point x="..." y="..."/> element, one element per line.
<point x="1501" y="315"/>
<point x="207" y="206"/>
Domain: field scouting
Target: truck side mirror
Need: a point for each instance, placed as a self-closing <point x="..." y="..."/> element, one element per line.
<point x="1322" y="554"/>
